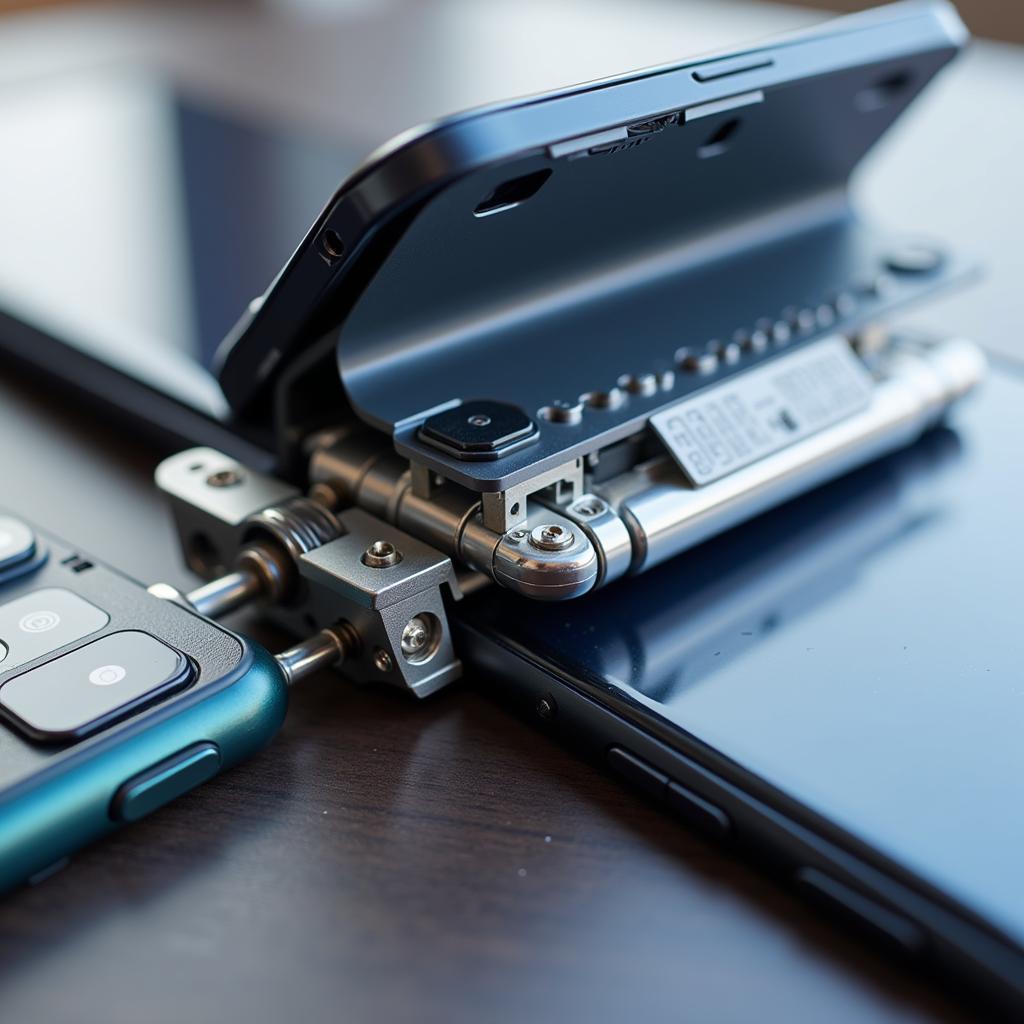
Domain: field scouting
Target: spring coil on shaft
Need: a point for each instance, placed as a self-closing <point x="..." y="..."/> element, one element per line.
<point x="275" y="539"/>
<point x="299" y="525"/>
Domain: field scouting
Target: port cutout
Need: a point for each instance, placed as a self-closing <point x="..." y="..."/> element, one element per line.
<point x="510" y="194"/>
<point x="332" y="248"/>
<point x="719" y="140"/>
<point x="885" y="91"/>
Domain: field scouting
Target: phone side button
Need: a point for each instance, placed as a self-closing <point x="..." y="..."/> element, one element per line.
<point x="637" y="771"/>
<point x="698" y="812"/>
<point x="168" y="779"/>
<point x="883" y="923"/>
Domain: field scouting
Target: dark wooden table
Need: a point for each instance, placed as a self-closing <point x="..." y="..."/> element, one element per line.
<point x="386" y="859"/>
<point x="391" y="860"/>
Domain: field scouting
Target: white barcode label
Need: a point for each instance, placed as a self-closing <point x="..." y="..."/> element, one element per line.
<point x="756" y="413"/>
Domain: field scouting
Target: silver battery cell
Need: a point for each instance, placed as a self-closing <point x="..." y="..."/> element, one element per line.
<point x="665" y="513"/>
<point x="732" y="451"/>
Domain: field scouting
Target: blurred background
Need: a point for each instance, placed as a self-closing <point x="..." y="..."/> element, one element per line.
<point x="996" y="19"/>
<point x="341" y="77"/>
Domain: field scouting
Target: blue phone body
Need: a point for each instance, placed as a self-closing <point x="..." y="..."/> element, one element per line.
<point x="834" y="688"/>
<point x="57" y="797"/>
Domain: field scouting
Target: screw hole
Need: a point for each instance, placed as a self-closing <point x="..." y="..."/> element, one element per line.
<point x="202" y="555"/>
<point x="332" y="248"/>
<point x="514" y="510"/>
<point x="224" y="478"/>
<point x="421" y="638"/>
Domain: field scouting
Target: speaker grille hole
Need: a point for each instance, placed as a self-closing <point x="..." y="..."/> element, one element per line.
<point x="509" y="194"/>
<point x="332" y="248"/>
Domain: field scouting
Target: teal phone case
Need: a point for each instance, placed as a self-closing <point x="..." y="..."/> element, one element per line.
<point x="55" y="797"/>
<point x="69" y="804"/>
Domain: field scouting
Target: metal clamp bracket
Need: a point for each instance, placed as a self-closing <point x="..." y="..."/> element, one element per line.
<point x="313" y="570"/>
<point x="390" y="587"/>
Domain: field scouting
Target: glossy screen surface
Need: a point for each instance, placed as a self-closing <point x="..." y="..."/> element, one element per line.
<point x="860" y="649"/>
<point x="139" y="221"/>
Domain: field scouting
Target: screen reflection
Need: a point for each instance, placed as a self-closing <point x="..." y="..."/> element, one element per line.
<point x="139" y="222"/>
<point x="858" y="649"/>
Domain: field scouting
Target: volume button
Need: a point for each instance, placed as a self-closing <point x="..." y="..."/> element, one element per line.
<point x="698" y="812"/>
<point x="638" y="772"/>
<point x="849" y="903"/>
<point x="165" y="781"/>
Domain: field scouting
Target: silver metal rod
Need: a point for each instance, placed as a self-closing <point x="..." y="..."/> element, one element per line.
<point x="653" y="511"/>
<point x="325" y="649"/>
<point x="666" y="515"/>
<point x="226" y="593"/>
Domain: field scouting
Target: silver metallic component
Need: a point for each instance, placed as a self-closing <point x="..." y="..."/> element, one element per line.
<point x="825" y="315"/>
<point x="380" y="554"/>
<point x="247" y="527"/>
<point x="441" y="519"/>
<point x="346" y="476"/>
<point x="755" y="341"/>
<point x="638" y="517"/>
<point x="644" y="384"/>
<point x="876" y="286"/>
<point x="587" y="507"/>
<point x="298" y="525"/>
<point x="565" y="413"/>
<point x="871" y="340"/>
<point x="388" y="607"/>
<point x="915" y="258"/>
<point x="209" y="518"/>
<point x="806" y="320"/>
<point x="450" y="519"/>
<point x="168" y="593"/>
<point x="607" y="533"/>
<point x="420" y="638"/>
<point x="505" y="510"/>
<point x="845" y="304"/>
<point x="226" y="593"/>
<point x="697" y="362"/>
<point x="719" y="430"/>
<point x="728" y="353"/>
<point x="224" y="478"/>
<point x="547" y="575"/>
<point x="274" y="566"/>
<point x="613" y="398"/>
<point x="666" y="515"/>
<point x="324" y="494"/>
<point x="552" y="537"/>
<point x="326" y="649"/>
